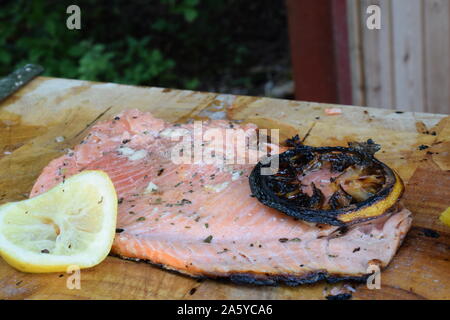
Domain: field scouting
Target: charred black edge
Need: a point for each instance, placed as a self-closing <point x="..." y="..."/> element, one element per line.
<point x="312" y="215"/>
<point x="291" y="280"/>
<point x="340" y="296"/>
<point x="247" y="278"/>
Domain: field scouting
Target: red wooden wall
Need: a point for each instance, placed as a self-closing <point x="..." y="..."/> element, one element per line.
<point x="319" y="50"/>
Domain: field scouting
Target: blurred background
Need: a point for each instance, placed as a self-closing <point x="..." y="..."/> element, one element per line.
<point x="313" y="50"/>
<point x="230" y="46"/>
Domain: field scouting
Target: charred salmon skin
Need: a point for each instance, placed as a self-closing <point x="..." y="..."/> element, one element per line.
<point x="201" y="219"/>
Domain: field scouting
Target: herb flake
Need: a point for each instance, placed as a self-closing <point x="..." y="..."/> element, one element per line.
<point x="208" y="239"/>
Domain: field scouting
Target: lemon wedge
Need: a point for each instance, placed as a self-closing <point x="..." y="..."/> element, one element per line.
<point x="73" y="224"/>
<point x="445" y="217"/>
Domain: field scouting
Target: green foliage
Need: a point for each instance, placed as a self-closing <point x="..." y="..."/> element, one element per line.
<point x="187" y="8"/>
<point x="172" y="43"/>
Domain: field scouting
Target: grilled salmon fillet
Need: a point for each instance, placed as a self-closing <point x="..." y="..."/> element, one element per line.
<point x="201" y="219"/>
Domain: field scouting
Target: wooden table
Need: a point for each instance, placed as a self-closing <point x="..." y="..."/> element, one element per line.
<point x="47" y="108"/>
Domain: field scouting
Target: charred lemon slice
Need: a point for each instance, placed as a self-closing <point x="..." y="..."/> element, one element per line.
<point x="333" y="185"/>
<point x="72" y="224"/>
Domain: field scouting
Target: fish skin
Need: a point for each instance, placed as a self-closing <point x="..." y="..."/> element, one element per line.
<point x="170" y="226"/>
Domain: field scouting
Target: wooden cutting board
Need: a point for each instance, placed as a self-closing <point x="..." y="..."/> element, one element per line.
<point x="47" y="108"/>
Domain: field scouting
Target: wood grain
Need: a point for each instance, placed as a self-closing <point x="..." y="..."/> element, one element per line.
<point x="378" y="62"/>
<point x="47" y="108"/>
<point x="408" y="55"/>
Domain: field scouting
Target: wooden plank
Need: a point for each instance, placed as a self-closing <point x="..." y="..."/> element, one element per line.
<point x="408" y="54"/>
<point x="406" y="64"/>
<point x="61" y="107"/>
<point x="378" y="62"/>
<point x="356" y="52"/>
<point x="437" y="55"/>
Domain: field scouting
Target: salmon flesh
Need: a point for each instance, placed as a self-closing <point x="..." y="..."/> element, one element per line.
<point x="201" y="220"/>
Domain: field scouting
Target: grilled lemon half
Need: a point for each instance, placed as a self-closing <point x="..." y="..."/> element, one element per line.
<point x="332" y="185"/>
<point x="73" y="224"/>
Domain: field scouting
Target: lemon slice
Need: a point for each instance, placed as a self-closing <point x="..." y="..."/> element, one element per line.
<point x="72" y="224"/>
